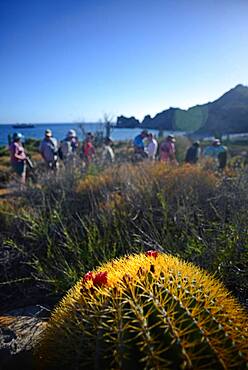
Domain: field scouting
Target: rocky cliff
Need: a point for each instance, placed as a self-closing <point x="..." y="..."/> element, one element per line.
<point x="228" y="114"/>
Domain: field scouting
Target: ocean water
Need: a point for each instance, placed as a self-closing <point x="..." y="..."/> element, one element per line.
<point x="60" y="130"/>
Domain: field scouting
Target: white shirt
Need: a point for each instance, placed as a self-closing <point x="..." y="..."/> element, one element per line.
<point x="108" y="154"/>
<point x="152" y="148"/>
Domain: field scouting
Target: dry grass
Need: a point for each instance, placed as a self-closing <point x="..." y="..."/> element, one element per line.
<point x="134" y="182"/>
<point x="70" y="223"/>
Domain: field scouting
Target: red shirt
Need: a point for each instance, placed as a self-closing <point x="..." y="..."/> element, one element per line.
<point x="88" y="150"/>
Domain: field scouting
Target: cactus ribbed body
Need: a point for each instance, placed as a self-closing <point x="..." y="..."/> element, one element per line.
<point x="147" y="311"/>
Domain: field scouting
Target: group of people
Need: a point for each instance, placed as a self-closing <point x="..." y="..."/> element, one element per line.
<point x="145" y="147"/>
<point x="54" y="152"/>
<point x="51" y="150"/>
<point x="216" y="151"/>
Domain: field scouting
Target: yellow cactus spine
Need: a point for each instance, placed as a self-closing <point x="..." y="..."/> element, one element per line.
<point x="146" y="311"/>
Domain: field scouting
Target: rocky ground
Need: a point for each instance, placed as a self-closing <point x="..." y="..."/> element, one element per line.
<point x="19" y="331"/>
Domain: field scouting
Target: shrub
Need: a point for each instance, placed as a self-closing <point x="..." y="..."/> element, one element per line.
<point x="7" y="212"/>
<point x="138" y="182"/>
<point x="5" y="173"/>
<point x="68" y="224"/>
<point x="182" y="144"/>
<point x="4" y="151"/>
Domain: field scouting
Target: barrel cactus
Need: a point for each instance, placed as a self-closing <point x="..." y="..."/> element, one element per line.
<point x="146" y="311"/>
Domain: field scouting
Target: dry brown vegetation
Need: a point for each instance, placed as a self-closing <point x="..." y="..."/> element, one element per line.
<point x="62" y="226"/>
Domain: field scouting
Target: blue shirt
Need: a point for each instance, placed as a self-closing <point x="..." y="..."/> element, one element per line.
<point x="138" y="142"/>
<point x="214" y="151"/>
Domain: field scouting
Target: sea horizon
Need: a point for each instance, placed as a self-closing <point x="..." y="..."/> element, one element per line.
<point x="60" y="130"/>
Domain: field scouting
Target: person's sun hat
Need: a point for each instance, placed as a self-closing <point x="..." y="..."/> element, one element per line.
<point x="71" y="133"/>
<point x="171" y="138"/>
<point x="216" y="142"/>
<point x="196" y="143"/>
<point x="17" y="136"/>
<point x="48" y="133"/>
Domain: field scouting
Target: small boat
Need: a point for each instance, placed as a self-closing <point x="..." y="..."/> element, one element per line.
<point x="23" y="125"/>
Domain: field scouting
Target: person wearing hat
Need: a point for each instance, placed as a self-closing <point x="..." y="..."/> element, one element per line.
<point x="138" y="143"/>
<point x="168" y="150"/>
<point x="218" y="152"/>
<point x="108" y="155"/>
<point x="68" y="147"/>
<point x="88" y="149"/>
<point x="72" y="137"/>
<point x="49" y="150"/>
<point x="193" y="153"/>
<point x="152" y="147"/>
<point x="18" y="156"/>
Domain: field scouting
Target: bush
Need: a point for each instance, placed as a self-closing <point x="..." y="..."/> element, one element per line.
<point x="4" y="151"/>
<point x="5" y="173"/>
<point x="182" y="144"/>
<point x="68" y="224"/>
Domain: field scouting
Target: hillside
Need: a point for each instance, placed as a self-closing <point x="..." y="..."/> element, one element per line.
<point x="228" y="114"/>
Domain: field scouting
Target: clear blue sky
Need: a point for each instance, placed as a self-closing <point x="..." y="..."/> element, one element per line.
<point x="72" y="60"/>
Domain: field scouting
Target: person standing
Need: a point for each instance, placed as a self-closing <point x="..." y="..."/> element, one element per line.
<point x="88" y="149"/>
<point x="222" y="157"/>
<point x="218" y="152"/>
<point x="108" y="155"/>
<point x="168" y="150"/>
<point x="152" y="147"/>
<point x="18" y="157"/>
<point x="193" y="153"/>
<point x="138" y="144"/>
<point x="68" y="147"/>
<point x="74" y="140"/>
<point x="49" y="150"/>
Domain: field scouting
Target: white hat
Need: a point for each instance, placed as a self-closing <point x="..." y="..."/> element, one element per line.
<point x="48" y="132"/>
<point x="17" y="136"/>
<point x="171" y="138"/>
<point x="71" y="133"/>
<point x="216" y="142"/>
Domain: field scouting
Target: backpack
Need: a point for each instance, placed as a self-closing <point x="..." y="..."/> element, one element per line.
<point x="65" y="149"/>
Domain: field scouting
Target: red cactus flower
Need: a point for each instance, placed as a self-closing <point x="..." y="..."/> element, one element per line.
<point x="152" y="253"/>
<point x="100" y="278"/>
<point x="88" y="276"/>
